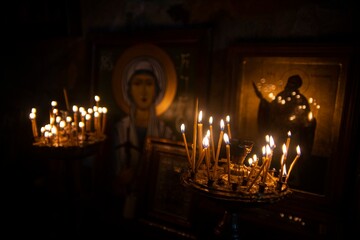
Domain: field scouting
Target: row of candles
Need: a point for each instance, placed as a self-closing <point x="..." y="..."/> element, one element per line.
<point x="70" y="129"/>
<point x="206" y="147"/>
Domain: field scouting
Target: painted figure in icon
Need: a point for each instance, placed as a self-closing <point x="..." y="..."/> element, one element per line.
<point x="143" y="89"/>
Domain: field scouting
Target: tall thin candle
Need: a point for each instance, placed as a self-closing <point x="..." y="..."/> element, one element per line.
<point x="185" y="143"/>
<point x="212" y="146"/>
<point x="195" y="134"/>
<point x="282" y="161"/>
<point x="220" y="140"/>
<point x="227" y="142"/>
<point x="200" y="131"/>
<point x="293" y="162"/>
<point x="228" y="125"/>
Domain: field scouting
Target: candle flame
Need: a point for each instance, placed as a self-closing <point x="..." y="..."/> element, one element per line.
<point x="284" y="173"/>
<point x="284" y="148"/>
<point x="75" y="108"/>
<point x="182" y="127"/>
<point x="62" y="124"/>
<point x="226" y="139"/>
<point x="298" y="150"/>
<point x="271" y="142"/>
<point x="268" y="149"/>
<point x="58" y="119"/>
<point x="228" y="119"/>
<point x="200" y="117"/>
<point x="222" y="125"/>
<point x="289" y="133"/>
<point x="210" y="120"/>
<point x="205" y="142"/>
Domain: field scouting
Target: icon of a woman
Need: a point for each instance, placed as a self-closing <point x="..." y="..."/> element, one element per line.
<point x="143" y="89"/>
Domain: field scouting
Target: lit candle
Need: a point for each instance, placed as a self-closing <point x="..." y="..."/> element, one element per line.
<point x="104" y="111"/>
<point x="228" y="125"/>
<point x="293" y="162"/>
<point x="282" y="161"/>
<point x="262" y="168"/>
<point x="227" y="142"/>
<point x="288" y="141"/>
<point x="88" y="122"/>
<point x="269" y="151"/>
<point x="182" y="127"/>
<point x="200" y="133"/>
<point x="201" y="158"/>
<point x="54" y="132"/>
<point x="222" y="125"/>
<point x="75" y="110"/>
<point x="97" y="123"/>
<point x="195" y="134"/>
<point x="97" y="99"/>
<point x="32" y="117"/>
<point x="68" y="125"/>
<point x="205" y="144"/>
<point x="82" y="127"/>
<point x="268" y="160"/>
<point x="212" y="138"/>
<point x="253" y="163"/>
<point x="83" y="114"/>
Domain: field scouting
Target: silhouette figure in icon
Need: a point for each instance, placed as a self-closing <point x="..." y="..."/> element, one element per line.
<point x="289" y="111"/>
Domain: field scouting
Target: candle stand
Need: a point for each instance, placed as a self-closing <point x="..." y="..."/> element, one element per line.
<point x="233" y="196"/>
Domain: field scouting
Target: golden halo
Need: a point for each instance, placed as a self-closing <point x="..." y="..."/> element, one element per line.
<point x="150" y="51"/>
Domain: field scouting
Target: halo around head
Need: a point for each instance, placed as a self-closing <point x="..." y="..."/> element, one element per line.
<point x="145" y="56"/>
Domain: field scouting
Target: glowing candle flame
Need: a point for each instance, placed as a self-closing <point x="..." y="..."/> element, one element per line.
<point x="226" y="139"/>
<point x="205" y="142"/>
<point x="182" y="128"/>
<point x="222" y="125"/>
<point x="200" y="117"/>
<point x="298" y="151"/>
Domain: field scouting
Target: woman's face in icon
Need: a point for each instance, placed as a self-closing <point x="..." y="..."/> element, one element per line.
<point x="142" y="89"/>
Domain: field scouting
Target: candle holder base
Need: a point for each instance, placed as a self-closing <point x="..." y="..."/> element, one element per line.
<point x="232" y="198"/>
